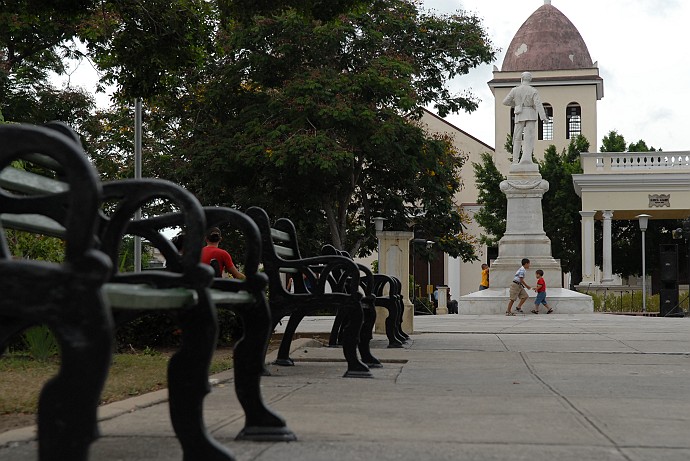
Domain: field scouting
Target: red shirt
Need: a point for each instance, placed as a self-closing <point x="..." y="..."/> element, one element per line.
<point x="223" y="257"/>
<point x="541" y="285"/>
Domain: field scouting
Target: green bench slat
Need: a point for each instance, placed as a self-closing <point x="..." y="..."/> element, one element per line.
<point x="289" y="270"/>
<point x="142" y="297"/>
<point x="280" y="235"/>
<point x="32" y="223"/>
<point x="227" y="297"/>
<point x="284" y="252"/>
<point x="29" y="183"/>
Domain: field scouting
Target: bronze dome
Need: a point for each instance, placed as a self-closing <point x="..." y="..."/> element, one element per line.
<point x="547" y="40"/>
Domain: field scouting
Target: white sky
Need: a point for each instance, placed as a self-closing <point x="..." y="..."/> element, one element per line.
<point x="641" y="47"/>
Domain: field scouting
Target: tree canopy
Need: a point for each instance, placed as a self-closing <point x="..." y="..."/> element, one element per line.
<point x="562" y="205"/>
<point x="308" y="108"/>
<point x="320" y="115"/>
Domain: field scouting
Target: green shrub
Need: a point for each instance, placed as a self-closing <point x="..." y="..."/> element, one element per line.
<point x="155" y="331"/>
<point x="40" y="342"/>
<point x="630" y="302"/>
<point x="229" y="328"/>
<point x="148" y="330"/>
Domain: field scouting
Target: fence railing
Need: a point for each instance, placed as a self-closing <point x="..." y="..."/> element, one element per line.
<point x="620" y="300"/>
<point x="634" y="162"/>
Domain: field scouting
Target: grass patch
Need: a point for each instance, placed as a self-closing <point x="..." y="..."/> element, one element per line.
<point x="130" y="374"/>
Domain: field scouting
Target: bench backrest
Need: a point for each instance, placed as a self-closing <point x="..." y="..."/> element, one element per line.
<point x="48" y="187"/>
<point x="281" y="255"/>
<point x="279" y="244"/>
<point x="183" y="267"/>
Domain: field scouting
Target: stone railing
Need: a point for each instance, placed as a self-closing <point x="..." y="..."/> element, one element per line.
<point x="634" y="162"/>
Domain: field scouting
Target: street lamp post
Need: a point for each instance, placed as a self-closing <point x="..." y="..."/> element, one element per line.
<point x="643" y="220"/>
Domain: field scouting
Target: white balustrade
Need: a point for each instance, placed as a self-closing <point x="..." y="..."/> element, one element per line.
<point x="620" y="162"/>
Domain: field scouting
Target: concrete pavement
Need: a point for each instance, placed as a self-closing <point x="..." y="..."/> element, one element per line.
<point x="471" y="387"/>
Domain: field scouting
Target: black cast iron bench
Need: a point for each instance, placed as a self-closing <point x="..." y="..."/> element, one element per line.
<point x="385" y="291"/>
<point x="69" y="297"/>
<point x="62" y="202"/>
<point x="310" y="276"/>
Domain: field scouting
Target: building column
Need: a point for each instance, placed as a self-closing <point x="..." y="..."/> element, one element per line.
<point x="607" y="277"/>
<point x="587" y="247"/>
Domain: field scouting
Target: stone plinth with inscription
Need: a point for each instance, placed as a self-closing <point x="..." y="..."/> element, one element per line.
<point x="524" y="238"/>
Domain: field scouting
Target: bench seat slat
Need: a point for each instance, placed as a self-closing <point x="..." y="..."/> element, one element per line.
<point x="284" y="252"/>
<point x="142" y="297"/>
<point x="289" y="270"/>
<point x="33" y="223"/>
<point x="30" y="183"/>
<point x="220" y="297"/>
<point x="280" y="235"/>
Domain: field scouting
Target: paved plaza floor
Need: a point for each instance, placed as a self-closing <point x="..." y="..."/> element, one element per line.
<point x="530" y="387"/>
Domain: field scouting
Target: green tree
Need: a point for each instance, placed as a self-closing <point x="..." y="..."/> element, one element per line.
<point x="147" y="48"/>
<point x="26" y="245"/>
<point x="36" y="38"/>
<point x="492" y="215"/>
<point x="320" y="116"/>
<point x="613" y="142"/>
<point x="640" y="146"/>
<point x="562" y="221"/>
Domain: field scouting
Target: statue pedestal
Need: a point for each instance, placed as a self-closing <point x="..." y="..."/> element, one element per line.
<point x="524" y="238"/>
<point x="495" y="301"/>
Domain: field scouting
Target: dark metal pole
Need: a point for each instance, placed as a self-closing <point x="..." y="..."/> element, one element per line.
<point x="137" y="175"/>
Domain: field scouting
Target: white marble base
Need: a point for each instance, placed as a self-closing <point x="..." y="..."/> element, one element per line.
<point x="495" y="301"/>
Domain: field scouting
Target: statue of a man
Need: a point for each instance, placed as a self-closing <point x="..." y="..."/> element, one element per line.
<point x="525" y="100"/>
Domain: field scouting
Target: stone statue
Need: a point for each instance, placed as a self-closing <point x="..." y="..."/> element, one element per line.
<point x="525" y="100"/>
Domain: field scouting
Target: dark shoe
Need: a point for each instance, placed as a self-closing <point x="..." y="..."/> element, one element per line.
<point x="510" y="313"/>
<point x="534" y="311"/>
<point x="519" y="309"/>
<point x="550" y="311"/>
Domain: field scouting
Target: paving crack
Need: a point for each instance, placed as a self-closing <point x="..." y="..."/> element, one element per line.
<point x="572" y="406"/>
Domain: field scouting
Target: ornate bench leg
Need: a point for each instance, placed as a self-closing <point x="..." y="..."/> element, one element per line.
<point x="283" y="358"/>
<point x="366" y="335"/>
<point x="335" y="339"/>
<point x="401" y="333"/>
<point x="353" y="327"/>
<point x="188" y="383"/>
<point x="67" y="415"/>
<point x="261" y="423"/>
<point x="391" y="324"/>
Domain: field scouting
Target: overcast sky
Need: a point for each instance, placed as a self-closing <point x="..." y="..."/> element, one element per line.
<point x="641" y="47"/>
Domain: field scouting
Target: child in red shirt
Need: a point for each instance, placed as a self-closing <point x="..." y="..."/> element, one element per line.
<point x="541" y="293"/>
